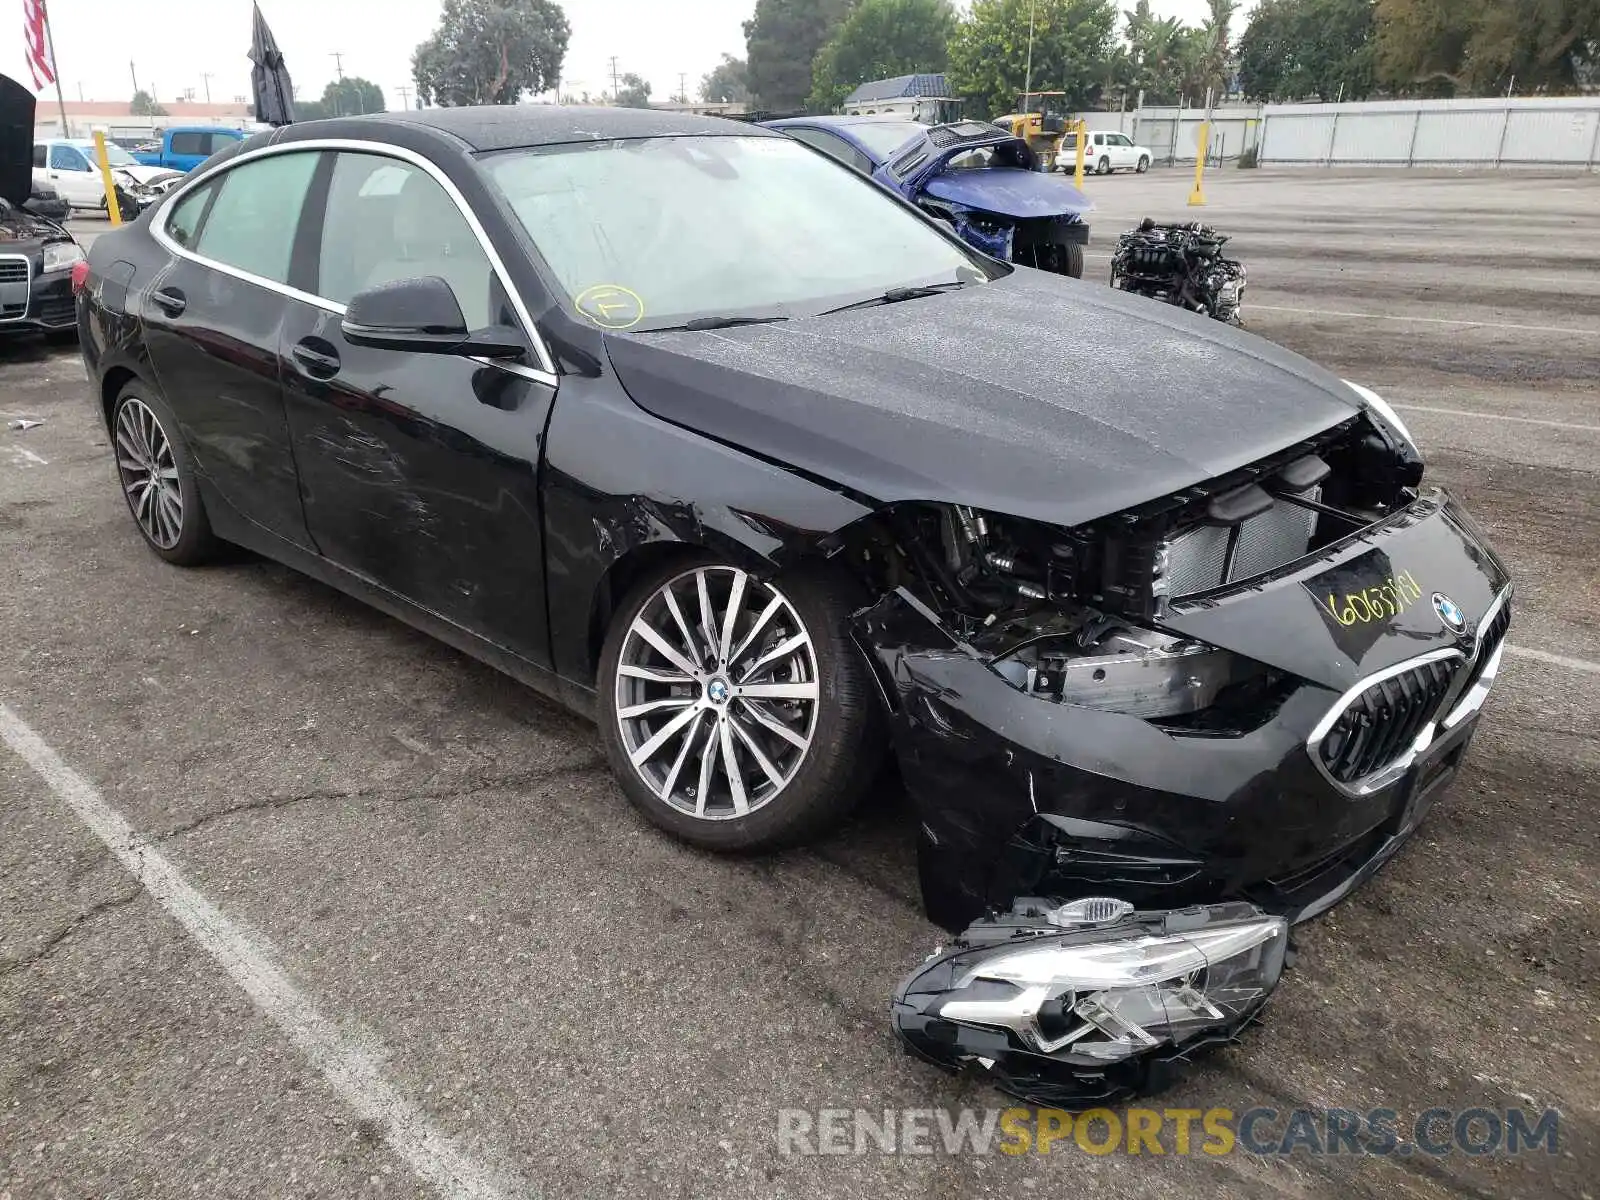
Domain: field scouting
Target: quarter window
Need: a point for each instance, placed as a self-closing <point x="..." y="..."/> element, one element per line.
<point x="388" y="220"/>
<point x="184" y="223"/>
<point x="39" y="153"/>
<point x="253" y="219"/>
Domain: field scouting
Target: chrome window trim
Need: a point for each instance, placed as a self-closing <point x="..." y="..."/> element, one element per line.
<point x="1462" y="707"/>
<point x="27" y="303"/>
<point x="545" y="373"/>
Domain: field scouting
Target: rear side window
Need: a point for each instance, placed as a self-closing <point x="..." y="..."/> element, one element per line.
<point x="191" y="143"/>
<point x="388" y="220"/>
<point x="184" y="222"/>
<point x="254" y="217"/>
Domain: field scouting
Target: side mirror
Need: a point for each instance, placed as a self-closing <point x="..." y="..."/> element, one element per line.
<point x="422" y="316"/>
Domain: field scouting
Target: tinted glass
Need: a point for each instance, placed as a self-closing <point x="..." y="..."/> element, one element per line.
<point x="185" y="218"/>
<point x="388" y="220"/>
<point x="65" y="158"/>
<point x="191" y="143"/>
<point x="252" y="223"/>
<point x="883" y="138"/>
<point x="38" y="156"/>
<point x="684" y="227"/>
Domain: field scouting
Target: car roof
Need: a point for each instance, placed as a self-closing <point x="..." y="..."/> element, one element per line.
<point x="830" y="122"/>
<point x="504" y="126"/>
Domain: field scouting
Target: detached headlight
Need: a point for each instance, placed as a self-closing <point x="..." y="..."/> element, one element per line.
<point x="1385" y="412"/>
<point x="58" y="256"/>
<point x="1051" y="1000"/>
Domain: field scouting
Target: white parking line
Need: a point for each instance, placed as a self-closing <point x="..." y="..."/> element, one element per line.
<point x="1359" y="316"/>
<point x="1463" y="412"/>
<point x="349" y="1062"/>
<point x="1556" y="660"/>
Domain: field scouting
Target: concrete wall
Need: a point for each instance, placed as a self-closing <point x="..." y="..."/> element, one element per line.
<point x="1532" y="132"/>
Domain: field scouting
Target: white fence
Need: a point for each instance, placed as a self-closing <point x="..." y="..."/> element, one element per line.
<point x="1533" y="132"/>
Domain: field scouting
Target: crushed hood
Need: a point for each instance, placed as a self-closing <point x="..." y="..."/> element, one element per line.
<point x="1034" y="395"/>
<point x="1009" y="192"/>
<point x="16" y="141"/>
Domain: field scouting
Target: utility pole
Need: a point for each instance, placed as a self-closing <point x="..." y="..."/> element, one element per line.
<point x="1027" y="79"/>
<point x="338" y="63"/>
<point x="683" y="86"/>
<point x="405" y="97"/>
<point x="616" y="88"/>
<point x="205" y="77"/>
<point x="134" y="74"/>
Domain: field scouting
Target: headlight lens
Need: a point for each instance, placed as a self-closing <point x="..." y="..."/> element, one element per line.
<point x="1141" y="984"/>
<point x="58" y="256"/>
<point x="1384" y="410"/>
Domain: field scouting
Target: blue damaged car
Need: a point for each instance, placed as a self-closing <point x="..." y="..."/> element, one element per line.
<point x="985" y="182"/>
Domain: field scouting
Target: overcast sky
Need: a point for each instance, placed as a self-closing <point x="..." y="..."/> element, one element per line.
<point x="173" y="43"/>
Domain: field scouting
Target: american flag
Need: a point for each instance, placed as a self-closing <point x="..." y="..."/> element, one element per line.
<point x="33" y="35"/>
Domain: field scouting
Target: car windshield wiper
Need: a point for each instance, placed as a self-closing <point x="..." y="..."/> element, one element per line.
<point x="725" y="322"/>
<point x="896" y="294"/>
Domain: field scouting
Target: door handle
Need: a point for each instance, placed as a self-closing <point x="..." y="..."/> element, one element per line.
<point x="314" y="362"/>
<point x="170" y="300"/>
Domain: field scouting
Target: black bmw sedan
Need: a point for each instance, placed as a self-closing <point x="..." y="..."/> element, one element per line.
<point x="698" y="432"/>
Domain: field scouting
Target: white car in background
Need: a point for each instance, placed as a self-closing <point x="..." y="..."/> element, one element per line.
<point x="69" y="165"/>
<point x="1104" y="153"/>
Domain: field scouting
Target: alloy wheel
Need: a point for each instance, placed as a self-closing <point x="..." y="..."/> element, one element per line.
<point x="149" y="473"/>
<point x="717" y="693"/>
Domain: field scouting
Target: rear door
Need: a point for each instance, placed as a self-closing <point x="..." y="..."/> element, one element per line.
<point x="420" y="471"/>
<point x="212" y="323"/>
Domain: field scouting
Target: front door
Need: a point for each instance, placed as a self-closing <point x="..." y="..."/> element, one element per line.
<point x="74" y="177"/>
<point x="418" y="471"/>
<point x="212" y="324"/>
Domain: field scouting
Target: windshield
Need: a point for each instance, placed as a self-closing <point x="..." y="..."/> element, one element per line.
<point x="652" y="233"/>
<point x="115" y="154"/>
<point x="883" y="138"/>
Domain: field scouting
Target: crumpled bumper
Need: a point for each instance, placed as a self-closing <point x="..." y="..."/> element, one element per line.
<point x="1020" y="796"/>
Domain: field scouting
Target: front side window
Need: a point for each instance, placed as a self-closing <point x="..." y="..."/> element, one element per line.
<point x="388" y="220"/>
<point x="689" y="227"/>
<point x="254" y="217"/>
<point x="65" y="158"/>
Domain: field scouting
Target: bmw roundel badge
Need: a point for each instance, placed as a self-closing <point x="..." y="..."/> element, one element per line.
<point x="1450" y="613"/>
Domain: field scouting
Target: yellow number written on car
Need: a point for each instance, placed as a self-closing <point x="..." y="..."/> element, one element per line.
<point x="1396" y="594"/>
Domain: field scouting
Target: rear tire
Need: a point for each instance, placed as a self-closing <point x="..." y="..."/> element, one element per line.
<point x="800" y="759"/>
<point x="1105" y="167"/>
<point x="158" y="478"/>
<point x="1074" y="260"/>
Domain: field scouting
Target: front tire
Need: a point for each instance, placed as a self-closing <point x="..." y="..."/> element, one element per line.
<point x="1144" y="164"/>
<point x="736" y="712"/>
<point x="158" y="478"/>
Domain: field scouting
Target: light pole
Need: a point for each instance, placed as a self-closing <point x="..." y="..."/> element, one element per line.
<point x="1027" y="79"/>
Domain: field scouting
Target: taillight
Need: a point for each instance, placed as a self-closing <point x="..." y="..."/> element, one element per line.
<point x="80" y="276"/>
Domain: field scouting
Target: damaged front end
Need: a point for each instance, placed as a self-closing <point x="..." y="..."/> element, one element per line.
<point x="1248" y="691"/>
<point x="1086" y="1003"/>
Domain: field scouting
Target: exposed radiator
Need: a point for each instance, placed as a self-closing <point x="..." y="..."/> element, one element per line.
<point x="1280" y="535"/>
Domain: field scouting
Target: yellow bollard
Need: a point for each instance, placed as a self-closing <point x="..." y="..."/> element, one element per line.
<point x="1198" y="196"/>
<point x="1083" y="136"/>
<point x="113" y="210"/>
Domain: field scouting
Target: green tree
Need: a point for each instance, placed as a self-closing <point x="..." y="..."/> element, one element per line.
<point x="311" y="110"/>
<point x="633" y="91"/>
<point x="1073" y="51"/>
<point x="350" y="97"/>
<point x="1309" y="49"/>
<point x="144" y="105"/>
<point x="879" y="40"/>
<point x="491" y="52"/>
<point x="1480" y="47"/>
<point x="781" y="40"/>
<point x="725" y="84"/>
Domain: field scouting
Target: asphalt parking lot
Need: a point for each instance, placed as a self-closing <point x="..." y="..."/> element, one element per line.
<point x="444" y="902"/>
